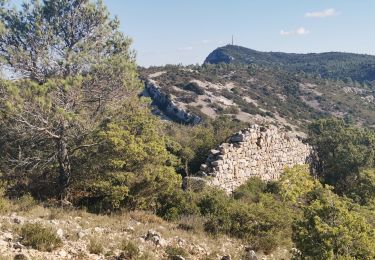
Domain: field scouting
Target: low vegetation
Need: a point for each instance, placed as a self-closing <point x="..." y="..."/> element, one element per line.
<point x="95" y="246"/>
<point x="174" y="251"/>
<point x="130" y="249"/>
<point x="39" y="237"/>
<point x="194" y="87"/>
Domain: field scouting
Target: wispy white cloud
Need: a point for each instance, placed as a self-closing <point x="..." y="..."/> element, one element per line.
<point x="187" y="48"/>
<point x="299" y="31"/>
<point x="302" y="31"/>
<point x="206" y="41"/>
<point x="322" y="14"/>
<point x="285" y="33"/>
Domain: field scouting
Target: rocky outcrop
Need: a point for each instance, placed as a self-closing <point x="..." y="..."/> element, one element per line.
<point x="218" y="56"/>
<point x="253" y="152"/>
<point x="164" y="103"/>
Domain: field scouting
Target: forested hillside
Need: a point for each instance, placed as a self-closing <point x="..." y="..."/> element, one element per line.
<point x="333" y="65"/>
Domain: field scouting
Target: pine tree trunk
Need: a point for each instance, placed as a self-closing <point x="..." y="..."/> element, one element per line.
<point x="64" y="163"/>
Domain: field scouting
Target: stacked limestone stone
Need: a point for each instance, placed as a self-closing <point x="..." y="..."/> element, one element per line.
<point x="254" y="152"/>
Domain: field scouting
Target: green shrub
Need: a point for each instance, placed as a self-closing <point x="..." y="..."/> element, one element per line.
<point x="174" y="251"/>
<point x="264" y="225"/>
<point x="295" y="183"/>
<point x="194" y="87"/>
<point x="194" y="184"/>
<point x="218" y="224"/>
<point x="171" y="206"/>
<point x="254" y="215"/>
<point x="39" y="237"/>
<point x="363" y="192"/>
<point x="186" y="227"/>
<point x="20" y="257"/>
<point x="214" y="202"/>
<point x="251" y="190"/>
<point x="133" y="165"/>
<point x="110" y="192"/>
<point x="231" y="110"/>
<point x="334" y="230"/>
<point x="130" y="249"/>
<point x="26" y="202"/>
<point x="188" y="98"/>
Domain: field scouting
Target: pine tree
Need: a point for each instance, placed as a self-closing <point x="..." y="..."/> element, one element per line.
<point x="74" y="67"/>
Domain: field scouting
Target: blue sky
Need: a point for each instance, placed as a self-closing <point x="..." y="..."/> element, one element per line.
<point x="186" y="31"/>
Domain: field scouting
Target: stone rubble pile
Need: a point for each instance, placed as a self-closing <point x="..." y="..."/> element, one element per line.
<point x="257" y="151"/>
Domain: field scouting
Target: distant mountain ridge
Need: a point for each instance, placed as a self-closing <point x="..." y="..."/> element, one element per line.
<point x="336" y="65"/>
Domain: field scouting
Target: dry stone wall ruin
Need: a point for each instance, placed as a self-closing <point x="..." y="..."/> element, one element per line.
<point x="254" y="152"/>
<point x="258" y="151"/>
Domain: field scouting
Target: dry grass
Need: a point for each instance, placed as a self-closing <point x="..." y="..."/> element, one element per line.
<point x="176" y="251"/>
<point x="145" y="217"/>
<point x="96" y="246"/>
<point x="5" y="205"/>
<point x="192" y="223"/>
<point x="130" y="249"/>
<point x="25" y="203"/>
<point x="128" y="225"/>
<point x="6" y="226"/>
<point x="106" y="233"/>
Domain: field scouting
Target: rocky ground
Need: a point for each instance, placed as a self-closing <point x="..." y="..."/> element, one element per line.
<point x="88" y="236"/>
